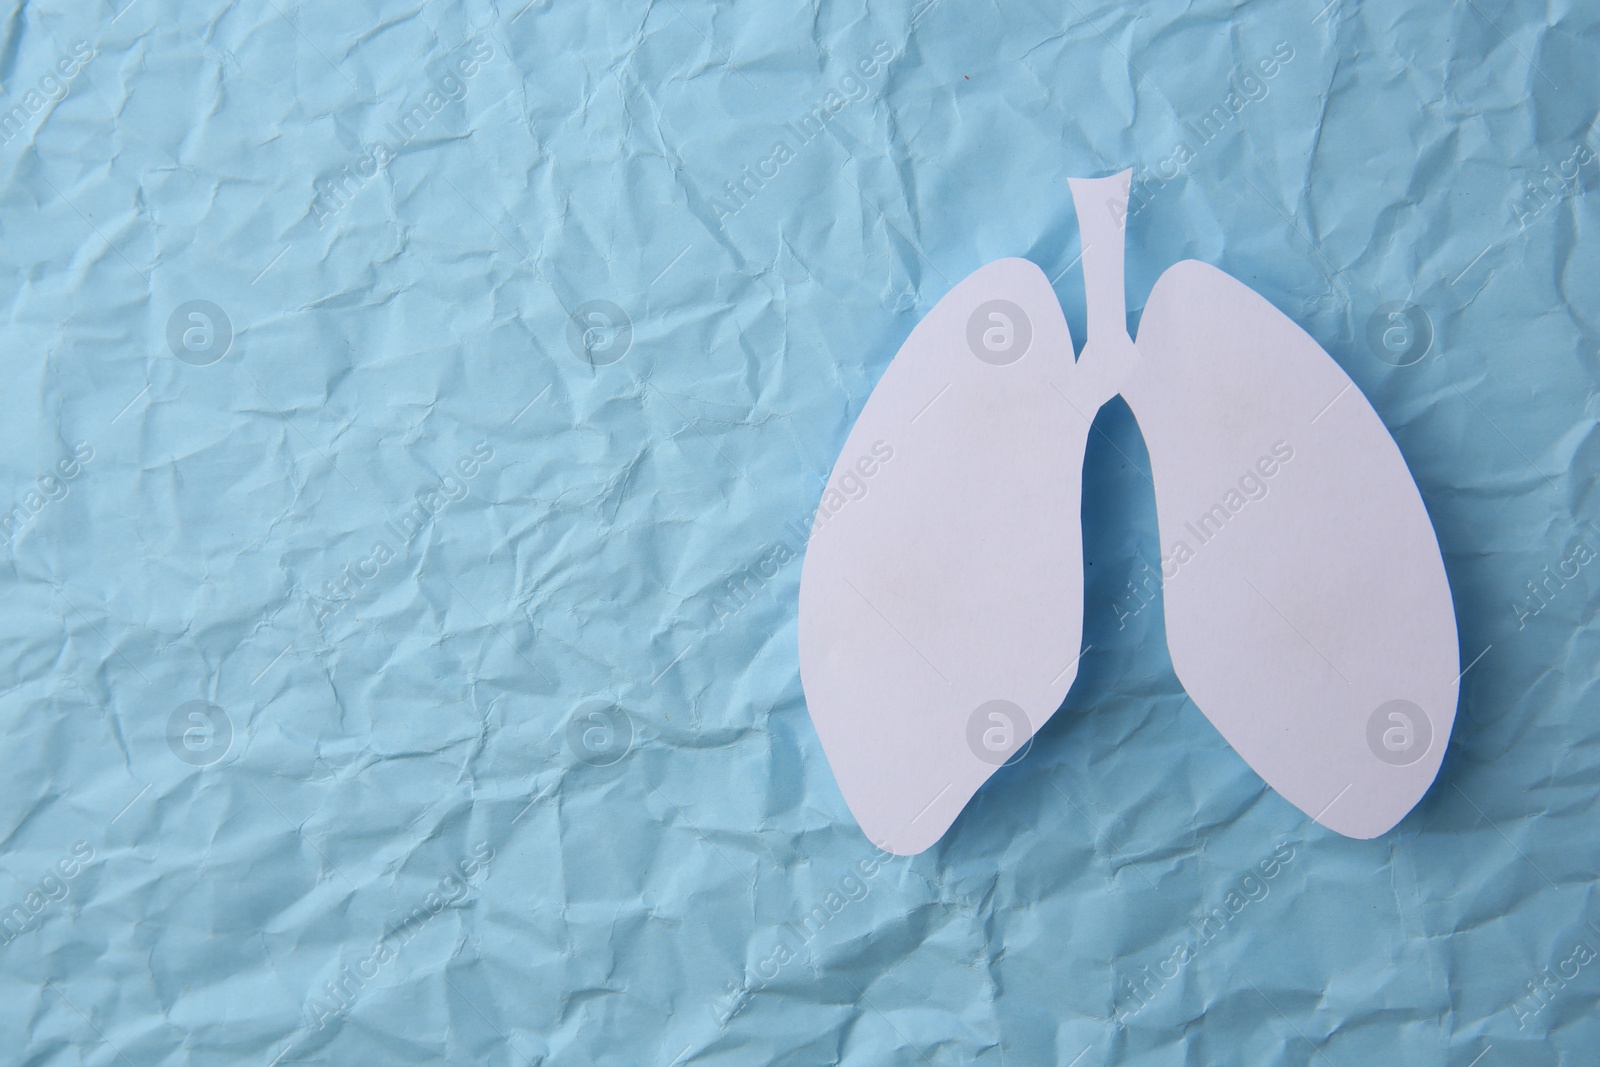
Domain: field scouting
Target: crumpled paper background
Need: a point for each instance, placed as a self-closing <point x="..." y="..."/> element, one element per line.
<point x="534" y="783"/>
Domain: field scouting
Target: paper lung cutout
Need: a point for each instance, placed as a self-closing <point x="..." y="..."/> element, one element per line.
<point x="1315" y="596"/>
<point x="1308" y="614"/>
<point x="941" y="600"/>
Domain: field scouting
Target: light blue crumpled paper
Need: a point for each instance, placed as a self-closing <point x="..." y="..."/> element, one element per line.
<point x="401" y="639"/>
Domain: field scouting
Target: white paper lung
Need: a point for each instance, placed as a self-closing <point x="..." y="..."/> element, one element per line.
<point x="1307" y="609"/>
<point x="1311" y="620"/>
<point x="941" y="601"/>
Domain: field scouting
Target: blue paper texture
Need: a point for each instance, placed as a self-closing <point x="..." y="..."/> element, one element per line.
<point x="414" y="420"/>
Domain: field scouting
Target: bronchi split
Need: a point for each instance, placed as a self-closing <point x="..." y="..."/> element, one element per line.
<point x="949" y="597"/>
